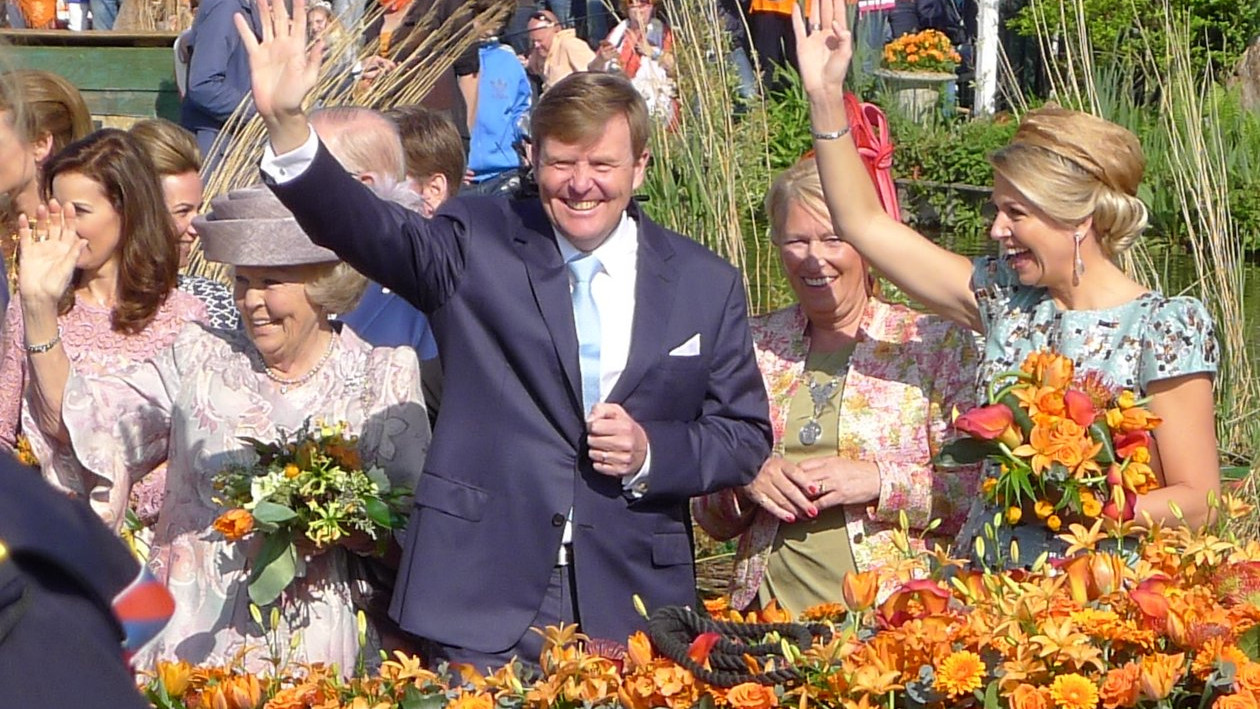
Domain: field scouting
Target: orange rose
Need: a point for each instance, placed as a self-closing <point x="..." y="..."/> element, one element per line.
<point x="1248" y="677"/>
<point x="234" y="524"/>
<point x="1049" y="369"/>
<point x="1241" y="700"/>
<point x="751" y="695"/>
<point x="1027" y="696"/>
<point x="1120" y="687"/>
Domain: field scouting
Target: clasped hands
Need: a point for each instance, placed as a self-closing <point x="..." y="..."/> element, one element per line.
<point x="791" y="492"/>
<point x="618" y="444"/>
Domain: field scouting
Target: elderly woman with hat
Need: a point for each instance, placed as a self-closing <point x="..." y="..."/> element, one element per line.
<point x="210" y="389"/>
<point x="1066" y="207"/>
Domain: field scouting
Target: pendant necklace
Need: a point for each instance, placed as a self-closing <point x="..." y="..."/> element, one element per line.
<point x="819" y="395"/>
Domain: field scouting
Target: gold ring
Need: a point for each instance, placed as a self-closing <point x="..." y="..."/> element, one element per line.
<point x="822" y="487"/>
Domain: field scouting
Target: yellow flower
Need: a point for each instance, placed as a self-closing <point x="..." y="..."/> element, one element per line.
<point x="291" y="471"/>
<point x="1091" y="506"/>
<point x="1160" y="673"/>
<point x="986" y="487"/>
<point x="961" y="673"/>
<point x="1013" y="514"/>
<point x="1072" y="691"/>
<point x="175" y="677"/>
<point x="1043" y="508"/>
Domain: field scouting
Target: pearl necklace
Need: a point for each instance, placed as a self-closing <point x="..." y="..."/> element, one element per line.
<point x="286" y="384"/>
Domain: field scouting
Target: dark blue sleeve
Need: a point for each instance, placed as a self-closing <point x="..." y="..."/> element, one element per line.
<point x="218" y="73"/>
<point x="420" y="259"/>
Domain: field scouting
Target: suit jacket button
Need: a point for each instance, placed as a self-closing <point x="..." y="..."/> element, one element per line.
<point x="557" y="520"/>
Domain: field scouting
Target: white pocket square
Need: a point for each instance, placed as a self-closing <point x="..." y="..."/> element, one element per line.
<point x="690" y="348"/>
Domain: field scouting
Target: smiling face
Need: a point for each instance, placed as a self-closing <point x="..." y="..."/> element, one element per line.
<point x="183" y="195"/>
<point x="96" y="220"/>
<point x="826" y="273"/>
<point x="316" y="21"/>
<point x="1038" y="249"/>
<point x="278" y="316"/>
<point x="585" y="187"/>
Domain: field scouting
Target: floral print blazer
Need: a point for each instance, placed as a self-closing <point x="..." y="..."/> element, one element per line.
<point x="907" y="373"/>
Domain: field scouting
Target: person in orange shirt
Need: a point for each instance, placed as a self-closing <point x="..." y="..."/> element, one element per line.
<point x="770" y="25"/>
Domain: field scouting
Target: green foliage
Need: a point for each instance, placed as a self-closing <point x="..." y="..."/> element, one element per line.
<point x="1119" y="31"/>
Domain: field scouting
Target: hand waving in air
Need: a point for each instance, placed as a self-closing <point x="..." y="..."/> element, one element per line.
<point x="50" y="246"/>
<point x="823" y="47"/>
<point x="283" y="70"/>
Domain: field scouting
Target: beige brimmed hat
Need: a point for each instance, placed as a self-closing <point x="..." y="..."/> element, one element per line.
<point x="250" y="227"/>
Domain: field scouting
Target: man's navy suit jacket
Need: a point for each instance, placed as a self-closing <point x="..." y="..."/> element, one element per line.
<point x="508" y="459"/>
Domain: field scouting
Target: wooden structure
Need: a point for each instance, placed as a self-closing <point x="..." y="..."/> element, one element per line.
<point x="124" y="76"/>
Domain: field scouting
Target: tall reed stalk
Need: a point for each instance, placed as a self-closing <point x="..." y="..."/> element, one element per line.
<point x="244" y="135"/>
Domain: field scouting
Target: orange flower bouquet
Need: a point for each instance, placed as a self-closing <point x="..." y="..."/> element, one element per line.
<point x="1066" y="446"/>
<point x="311" y="488"/>
<point x="926" y="51"/>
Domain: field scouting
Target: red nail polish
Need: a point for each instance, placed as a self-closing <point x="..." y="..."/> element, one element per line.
<point x="813" y="512"/>
<point x="791" y="519"/>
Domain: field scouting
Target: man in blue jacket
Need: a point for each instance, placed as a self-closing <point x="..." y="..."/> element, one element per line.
<point x="218" y="71"/>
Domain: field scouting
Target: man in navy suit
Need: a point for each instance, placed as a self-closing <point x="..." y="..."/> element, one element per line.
<point x="599" y="369"/>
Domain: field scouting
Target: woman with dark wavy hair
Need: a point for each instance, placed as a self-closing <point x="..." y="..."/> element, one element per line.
<point x="119" y="305"/>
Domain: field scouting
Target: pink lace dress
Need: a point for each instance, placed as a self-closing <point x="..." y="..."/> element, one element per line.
<point x="93" y="348"/>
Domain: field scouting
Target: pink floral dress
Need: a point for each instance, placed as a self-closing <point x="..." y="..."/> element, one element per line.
<point x="194" y="402"/>
<point x="907" y="373"/>
<point x="93" y="348"/>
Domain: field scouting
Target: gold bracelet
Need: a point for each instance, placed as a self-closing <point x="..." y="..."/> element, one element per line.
<point x="37" y="349"/>
<point x="833" y="135"/>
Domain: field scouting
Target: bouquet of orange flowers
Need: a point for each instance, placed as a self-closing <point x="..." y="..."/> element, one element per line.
<point x="926" y="51"/>
<point x="1065" y="446"/>
<point x="309" y="487"/>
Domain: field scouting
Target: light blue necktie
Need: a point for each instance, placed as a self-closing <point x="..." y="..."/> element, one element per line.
<point x="586" y="317"/>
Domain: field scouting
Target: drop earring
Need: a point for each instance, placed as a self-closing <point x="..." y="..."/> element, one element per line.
<point x="1078" y="266"/>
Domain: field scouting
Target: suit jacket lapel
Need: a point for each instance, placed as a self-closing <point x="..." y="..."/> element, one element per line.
<point x="549" y="281"/>
<point x="655" y="288"/>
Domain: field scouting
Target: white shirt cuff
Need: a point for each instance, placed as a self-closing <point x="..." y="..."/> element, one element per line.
<point x="636" y="486"/>
<point x="291" y="165"/>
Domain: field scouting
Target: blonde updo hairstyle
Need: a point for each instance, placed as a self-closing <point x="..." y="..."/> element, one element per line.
<point x="1073" y="166"/>
<point x="801" y="185"/>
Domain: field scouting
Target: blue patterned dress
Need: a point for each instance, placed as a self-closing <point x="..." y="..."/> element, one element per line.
<point x="1150" y="338"/>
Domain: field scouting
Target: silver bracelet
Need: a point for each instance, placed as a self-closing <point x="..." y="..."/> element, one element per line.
<point x="833" y="135"/>
<point x="37" y="349"/>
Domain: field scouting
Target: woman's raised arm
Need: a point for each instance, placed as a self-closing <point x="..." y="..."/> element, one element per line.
<point x="930" y="274"/>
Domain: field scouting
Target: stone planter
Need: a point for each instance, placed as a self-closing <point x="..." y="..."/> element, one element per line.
<point x="918" y="92"/>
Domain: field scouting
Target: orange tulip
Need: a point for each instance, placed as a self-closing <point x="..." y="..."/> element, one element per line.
<point x="860" y="589"/>
<point x="701" y="647"/>
<point x="1160" y="673"/>
<point x="639" y="649"/>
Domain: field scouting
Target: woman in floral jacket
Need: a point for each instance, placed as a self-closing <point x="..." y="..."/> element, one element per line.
<point x="860" y="393"/>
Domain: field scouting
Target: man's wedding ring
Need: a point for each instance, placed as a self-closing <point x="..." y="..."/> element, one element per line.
<point x="39" y="236"/>
<point x="815" y="27"/>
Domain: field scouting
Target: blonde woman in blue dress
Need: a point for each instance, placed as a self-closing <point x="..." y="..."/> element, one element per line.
<point x="1065" y="197"/>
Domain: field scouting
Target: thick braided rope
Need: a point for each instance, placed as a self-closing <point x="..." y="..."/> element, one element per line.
<point x="673" y="628"/>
